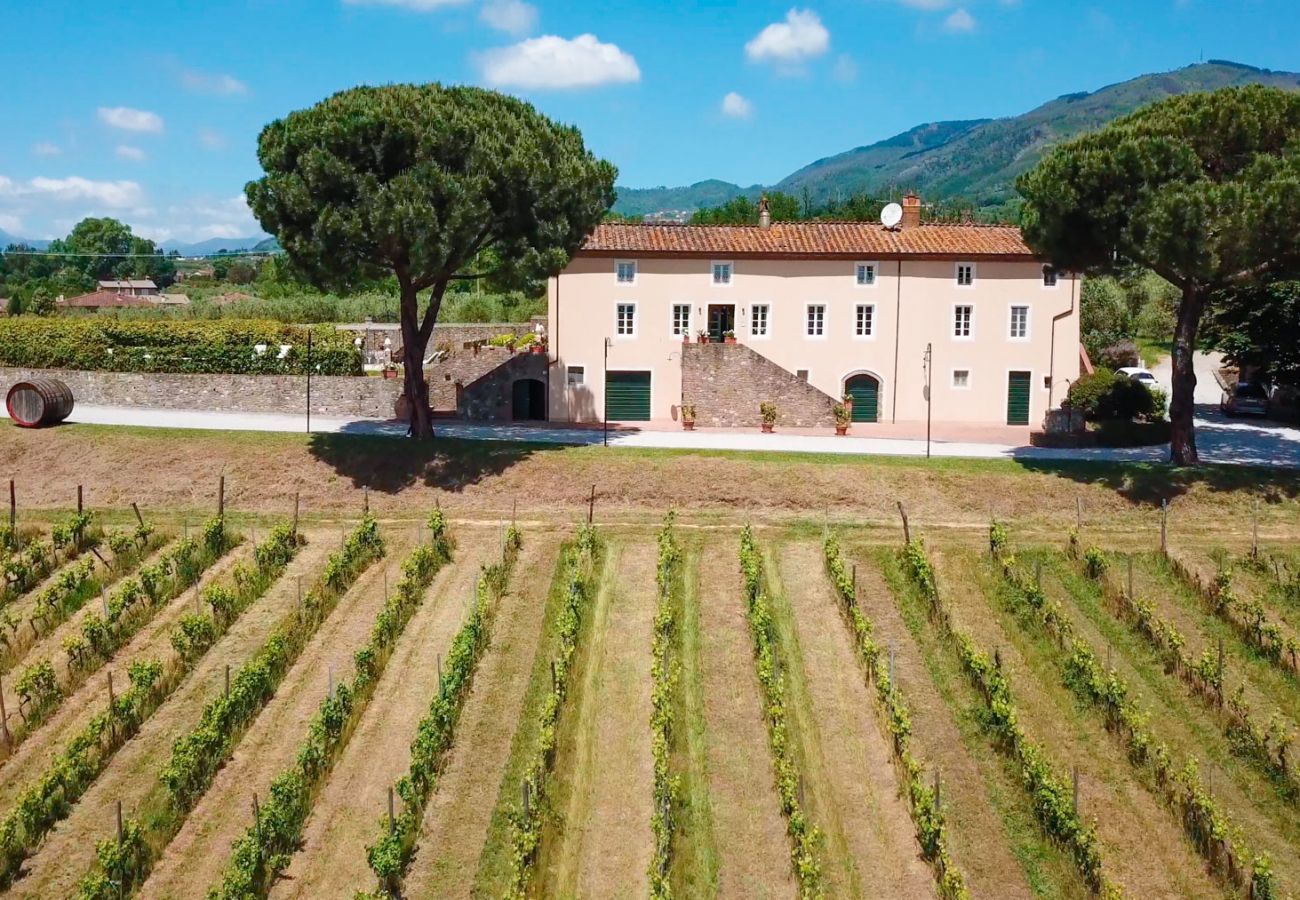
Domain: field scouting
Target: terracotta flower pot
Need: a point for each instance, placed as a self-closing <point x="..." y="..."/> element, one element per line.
<point x="390" y="374"/>
<point x="730" y="340"/>
<point x="767" y="427"/>
<point x="703" y="339"/>
<point x="688" y="425"/>
<point x="539" y="348"/>
<point x="841" y="430"/>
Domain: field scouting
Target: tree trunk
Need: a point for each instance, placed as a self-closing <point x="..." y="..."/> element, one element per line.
<point x="415" y="388"/>
<point x="1182" y="402"/>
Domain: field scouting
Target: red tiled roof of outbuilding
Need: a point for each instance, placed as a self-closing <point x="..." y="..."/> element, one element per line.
<point x="859" y="240"/>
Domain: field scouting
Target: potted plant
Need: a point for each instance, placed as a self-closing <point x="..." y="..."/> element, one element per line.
<point x="688" y="416"/>
<point x="686" y="337"/>
<point x="843" y="416"/>
<point x="702" y="336"/>
<point x="768" y="412"/>
<point x="537" y="346"/>
<point x="390" y="371"/>
<point x="729" y="337"/>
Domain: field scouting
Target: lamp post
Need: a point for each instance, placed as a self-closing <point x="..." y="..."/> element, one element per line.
<point x="604" y="380"/>
<point x="309" y="381"/>
<point x="928" y="364"/>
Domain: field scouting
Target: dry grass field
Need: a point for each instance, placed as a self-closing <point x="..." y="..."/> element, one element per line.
<point x="467" y="692"/>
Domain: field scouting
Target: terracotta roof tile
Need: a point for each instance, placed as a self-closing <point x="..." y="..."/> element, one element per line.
<point x="105" y="299"/>
<point x="796" y="239"/>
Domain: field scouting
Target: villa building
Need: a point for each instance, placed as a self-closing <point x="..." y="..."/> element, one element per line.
<point x="802" y="313"/>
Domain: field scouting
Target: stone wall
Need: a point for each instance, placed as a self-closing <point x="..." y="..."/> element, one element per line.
<point x="456" y="334"/>
<point x="727" y="382"/>
<point x="491" y="397"/>
<point x="450" y="376"/>
<point x="331" y="395"/>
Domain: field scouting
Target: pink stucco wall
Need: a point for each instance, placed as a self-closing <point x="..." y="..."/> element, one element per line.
<point x="910" y="311"/>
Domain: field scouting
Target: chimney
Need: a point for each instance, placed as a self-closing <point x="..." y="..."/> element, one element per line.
<point x="911" y="210"/>
<point x="764" y="214"/>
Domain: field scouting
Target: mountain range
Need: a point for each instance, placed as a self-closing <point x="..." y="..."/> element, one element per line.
<point x="975" y="159"/>
<point x="259" y="243"/>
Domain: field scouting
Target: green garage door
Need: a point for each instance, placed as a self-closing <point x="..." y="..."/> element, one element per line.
<point x="865" y="391"/>
<point x="1018" y="398"/>
<point x="627" y="396"/>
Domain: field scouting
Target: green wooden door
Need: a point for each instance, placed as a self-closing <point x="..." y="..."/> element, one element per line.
<point x="627" y="396"/>
<point x="865" y="391"/>
<point x="1018" y="398"/>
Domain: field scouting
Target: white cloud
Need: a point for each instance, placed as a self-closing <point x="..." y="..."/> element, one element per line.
<point x="413" y="5"/>
<point x="551" y="62"/>
<point x="46" y="148"/>
<point x="212" y="83"/>
<point x="126" y="151"/>
<point x="736" y="107"/>
<point x="846" y="70"/>
<point x="801" y="36"/>
<point x="200" y="220"/>
<point x="128" y="119"/>
<point x="959" y="21"/>
<point x="115" y="194"/>
<point x="928" y="5"/>
<point x="211" y="139"/>
<point x="511" y="16"/>
<point x="10" y="223"/>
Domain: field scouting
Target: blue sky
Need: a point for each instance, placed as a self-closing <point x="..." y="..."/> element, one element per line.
<point x="149" y="111"/>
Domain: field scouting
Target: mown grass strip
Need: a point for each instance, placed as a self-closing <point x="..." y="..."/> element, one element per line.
<point x="130" y="606"/>
<point x="122" y="864"/>
<point x="927" y="816"/>
<point x="390" y="856"/>
<point x="1212" y="832"/>
<point x="50" y="800"/>
<point x="527" y="818"/>
<point x="266" y="847"/>
<point x="805" y="837"/>
<point x="1264" y="746"/>
<point x="1050" y="794"/>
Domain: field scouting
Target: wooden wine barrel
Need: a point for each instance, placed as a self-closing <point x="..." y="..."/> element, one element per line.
<point x="39" y="403"/>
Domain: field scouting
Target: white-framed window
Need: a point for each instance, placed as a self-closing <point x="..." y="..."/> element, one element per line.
<point x="865" y="274"/>
<point x="577" y="376"/>
<point x="625" y="320"/>
<point x="965" y="274"/>
<point x="1019" y="323"/>
<point x="961" y="379"/>
<point x="625" y="271"/>
<point x="758" y="320"/>
<point x="816" y="324"/>
<point x="681" y="319"/>
<point x="864" y="320"/>
<point x="963" y="315"/>
<point x="1049" y="276"/>
<point x="722" y="272"/>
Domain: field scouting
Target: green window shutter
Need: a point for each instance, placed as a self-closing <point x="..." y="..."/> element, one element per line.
<point x="1018" y="398"/>
<point x="865" y="391"/>
<point x="627" y="396"/>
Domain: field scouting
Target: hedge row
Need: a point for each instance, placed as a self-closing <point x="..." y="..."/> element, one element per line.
<point x="204" y="347"/>
<point x="664" y="670"/>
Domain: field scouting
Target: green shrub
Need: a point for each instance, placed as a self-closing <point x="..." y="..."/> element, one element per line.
<point x="1106" y="395"/>
<point x="222" y="347"/>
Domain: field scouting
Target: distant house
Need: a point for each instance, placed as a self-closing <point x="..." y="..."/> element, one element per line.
<point x="131" y="287"/>
<point x="104" y="300"/>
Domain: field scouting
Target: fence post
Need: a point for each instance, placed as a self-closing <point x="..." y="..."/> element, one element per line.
<point x="907" y="531"/>
<point x="591" y="505"/>
<point x="221" y="496"/>
<point x="4" y="715"/>
<point x="1164" y="527"/>
<point x="80" y="506"/>
<point x="135" y="507"/>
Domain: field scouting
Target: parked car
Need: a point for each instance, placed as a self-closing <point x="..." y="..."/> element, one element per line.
<point x="1140" y="375"/>
<point x="1245" y="398"/>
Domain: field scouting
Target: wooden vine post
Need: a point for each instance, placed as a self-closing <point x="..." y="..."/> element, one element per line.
<point x="1078" y="514"/>
<point x="257" y="827"/>
<point x="1254" y="530"/>
<point x="221" y="496"/>
<point x="591" y="505"/>
<point x="13" y="509"/>
<point x="907" y="530"/>
<point x="1164" y="527"/>
<point x="1076" y="792"/>
<point x="392" y="819"/>
<point x="112" y="719"/>
<point x="80" y="502"/>
<point x="4" y="716"/>
<point x="297" y="498"/>
<point x="365" y="500"/>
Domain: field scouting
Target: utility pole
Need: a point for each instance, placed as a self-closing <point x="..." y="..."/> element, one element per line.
<point x="605" y="381"/>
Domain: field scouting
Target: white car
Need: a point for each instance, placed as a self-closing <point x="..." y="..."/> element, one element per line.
<point x="1140" y="375"/>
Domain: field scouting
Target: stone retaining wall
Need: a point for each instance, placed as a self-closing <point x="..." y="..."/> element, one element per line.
<point x="456" y="334"/>
<point x="727" y="382"/>
<point x="331" y="395"/>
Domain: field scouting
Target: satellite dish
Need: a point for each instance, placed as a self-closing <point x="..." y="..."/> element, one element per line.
<point x="891" y="215"/>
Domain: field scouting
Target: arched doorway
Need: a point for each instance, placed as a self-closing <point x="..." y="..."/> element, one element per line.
<point x="865" y="391"/>
<point x="528" y="400"/>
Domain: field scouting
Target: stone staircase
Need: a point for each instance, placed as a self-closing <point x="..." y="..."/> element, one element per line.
<point x="727" y="382"/>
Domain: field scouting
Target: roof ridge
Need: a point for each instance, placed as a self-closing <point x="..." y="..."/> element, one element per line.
<point x="802" y="223"/>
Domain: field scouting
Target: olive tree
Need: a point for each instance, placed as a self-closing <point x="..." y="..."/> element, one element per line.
<point x="1202" y="189"/>
<point x="427" y="184"/>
